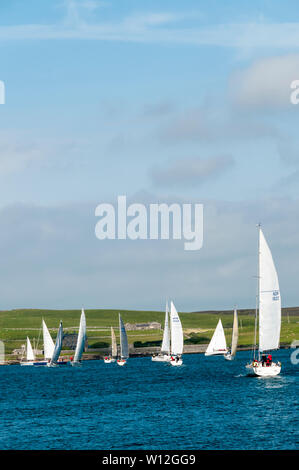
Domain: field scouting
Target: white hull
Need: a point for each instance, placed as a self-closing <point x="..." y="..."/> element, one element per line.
<point x="121" y="362"/>
<point x="229" y="357"/>
<point x="216" y="353"/>
<point x="76" y="364"/>
<point x="109" y="360"/>
<point x="29" y="363"/>
<point x="161" y="358"/>
<point x="265" y="371"/>
<point x="176" y="363"/>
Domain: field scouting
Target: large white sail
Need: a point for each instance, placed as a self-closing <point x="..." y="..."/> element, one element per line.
<point x="113" y="344"/>
<point x="166" y="336"/>
<point x="269" y="299"/>
<point x="124" y="347"/>
<point x="29" y="351"/>
<point x="48" y="343"/>
<point x="235" y="334"/>
<point x="177" y="337"/>
<point x="81" y="338"/>
<point x="58" y="345"/>
<point x="217" y="344"/>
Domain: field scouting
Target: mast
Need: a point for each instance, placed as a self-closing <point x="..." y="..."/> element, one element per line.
<point x="257" y="304"/>
<point x="120" y="345"/>
<point x="165" y="348"/>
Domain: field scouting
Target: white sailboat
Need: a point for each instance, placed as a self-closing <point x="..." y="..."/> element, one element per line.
<point x="217" y="345"/>
<point x="268" y="313"/>
<point x="177" y="337"/>
<point x="48" y="343"/>
<point x="164" y="355"/>
<point x="231" y="354"/>
<point x="57" y="349"/>
<point x="124" y="347"/>
<point x="30" y="356"/>
<point x="80" y="341"/>
<point x="112" y="357"/>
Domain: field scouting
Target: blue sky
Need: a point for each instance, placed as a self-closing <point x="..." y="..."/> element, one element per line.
<point x="115" y="97"/>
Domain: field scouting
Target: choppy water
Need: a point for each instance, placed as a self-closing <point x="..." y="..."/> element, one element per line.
<point x="208" y="403"/>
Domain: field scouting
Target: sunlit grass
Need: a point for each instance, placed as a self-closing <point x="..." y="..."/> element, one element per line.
<point x="16" y="325"/>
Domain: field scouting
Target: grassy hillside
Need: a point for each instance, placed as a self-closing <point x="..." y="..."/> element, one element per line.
<point x="15" y="325"/>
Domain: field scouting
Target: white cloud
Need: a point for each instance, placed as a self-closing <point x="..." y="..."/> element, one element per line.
<point x="16" y="157"/>
<point x="209" y="122"/>
<point x="157" y="27"/>
<point x="191" y="172"/>
<point x="19" y="152"/>
<point x="266" y="83"/>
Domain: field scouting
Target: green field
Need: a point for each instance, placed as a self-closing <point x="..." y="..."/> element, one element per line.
<point x="198" y="327"/>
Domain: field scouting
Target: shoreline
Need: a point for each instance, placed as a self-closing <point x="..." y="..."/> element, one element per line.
<point x="98" y="355"/>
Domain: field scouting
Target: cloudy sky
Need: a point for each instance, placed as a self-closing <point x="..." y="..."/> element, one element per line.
<point x="159" y="101"/>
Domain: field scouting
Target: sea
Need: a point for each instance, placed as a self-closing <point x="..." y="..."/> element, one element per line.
<point x="208" y="403"/>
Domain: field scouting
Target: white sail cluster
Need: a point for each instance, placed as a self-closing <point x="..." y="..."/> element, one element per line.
<point x="269" y="322"/>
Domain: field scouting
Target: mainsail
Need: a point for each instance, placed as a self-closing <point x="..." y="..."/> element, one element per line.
<point x="48" y="343"/>
<point x="124" y="347"/>
<point x="218" y="341"/>
<point x="29" y="351"/>
<point x="235" y="334"/>
<point x="58" y="345"/>
<point x="177" y="337"/>
<point x="113" y="343"/>
<point x="81" y="338"/>
<point x="269" y="299"/>
<point x="166" y="336"/>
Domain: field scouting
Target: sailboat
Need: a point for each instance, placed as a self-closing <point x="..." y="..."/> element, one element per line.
<point x="124" y="347"/>
<point x="80" y="341"/>
<point x="164" y="355"/>
<point x="30" y="356"/>
<point x="177" y="337"/>
<point x="217" y="345"/>
<point x="112" y="357"/>
<point x="57" y="349"/>
<point x="48" y="343"/>
<point x="48" y="346"/>
<point x="268" y="313"/>
<point x="231" y="355"/>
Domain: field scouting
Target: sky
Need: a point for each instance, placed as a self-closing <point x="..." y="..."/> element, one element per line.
<point x="162" y="102"/>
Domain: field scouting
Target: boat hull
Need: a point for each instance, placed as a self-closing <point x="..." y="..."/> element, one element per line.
<point x="176" y="363"/>
<point x="121" y="362"/>
<point x="56" y="364"/>
<point x="265" y="371"/>
<point x="29" y="363"/>
<point x="76" y="363"/>
<point x="109" y="360"/>
<point x="229" y="357"/>
<point x="161" y="358"/>
<point x="216" y="353"/>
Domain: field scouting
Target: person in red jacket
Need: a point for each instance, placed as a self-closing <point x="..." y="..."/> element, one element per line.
<point x="269" y="358"/>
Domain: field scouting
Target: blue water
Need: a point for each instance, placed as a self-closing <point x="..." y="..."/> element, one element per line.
<point x="208" y="403"/>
